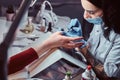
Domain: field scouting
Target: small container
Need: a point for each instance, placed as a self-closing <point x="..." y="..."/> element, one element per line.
<point x="87" y="74"/>
<point x="68" y="76"/>
<point x="29" y="28"/>
<point x="43" y="26"/>
<point x="10" y="13"/>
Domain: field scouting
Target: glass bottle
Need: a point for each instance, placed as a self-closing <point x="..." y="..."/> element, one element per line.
<point x="68" y="76"/>
<point x="87" y="74"/>
<point x="29" y="28"/>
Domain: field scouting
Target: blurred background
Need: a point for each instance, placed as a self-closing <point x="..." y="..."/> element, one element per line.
<point x="69" y="8"/>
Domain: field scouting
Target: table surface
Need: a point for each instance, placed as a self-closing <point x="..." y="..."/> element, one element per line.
<point x="22" y="40"/>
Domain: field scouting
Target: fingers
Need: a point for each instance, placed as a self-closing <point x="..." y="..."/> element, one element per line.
<point x="77" y="38"/>
<point x="68" y="37"/>
<point x="73" y="44"/>
<point x="73" y="38"/>
<point x="65" y="41"/>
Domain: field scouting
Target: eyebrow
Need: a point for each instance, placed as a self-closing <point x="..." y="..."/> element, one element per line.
<point x="91" y="10"/>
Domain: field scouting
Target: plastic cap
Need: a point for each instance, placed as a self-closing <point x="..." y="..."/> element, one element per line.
<point x="89" y="67"/>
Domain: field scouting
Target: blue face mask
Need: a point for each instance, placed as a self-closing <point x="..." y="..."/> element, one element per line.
<point x="97" y="20"/>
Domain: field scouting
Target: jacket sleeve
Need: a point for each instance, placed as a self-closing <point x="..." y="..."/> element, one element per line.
<point x="20" y="60"/>
<point x="112" y="62"/>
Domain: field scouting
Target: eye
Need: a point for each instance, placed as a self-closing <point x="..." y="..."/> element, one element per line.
<point x="91" y="12"/>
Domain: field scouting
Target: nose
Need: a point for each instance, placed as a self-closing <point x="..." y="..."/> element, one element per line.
<point x="86" y="15"/>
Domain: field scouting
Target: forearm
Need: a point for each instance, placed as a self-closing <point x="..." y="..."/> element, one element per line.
<point x="97" y="66"/>
<point x="40" y="49"/>
<point x="20" y="60"/>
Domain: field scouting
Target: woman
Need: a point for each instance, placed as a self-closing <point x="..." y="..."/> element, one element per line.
<point x="103" y="52"/>
<point x="20" y="60"/>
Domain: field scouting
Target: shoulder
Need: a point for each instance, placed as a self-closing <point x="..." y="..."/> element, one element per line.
<point x="114" y="36"/>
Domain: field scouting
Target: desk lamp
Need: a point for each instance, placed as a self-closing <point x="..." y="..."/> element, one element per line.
<point x="9" y="38"/>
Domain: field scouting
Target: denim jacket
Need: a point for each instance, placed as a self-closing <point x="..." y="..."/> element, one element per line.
<point x="100" y="49"/>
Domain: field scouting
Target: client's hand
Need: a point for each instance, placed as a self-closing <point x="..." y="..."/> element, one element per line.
<point x="59" y="40"/>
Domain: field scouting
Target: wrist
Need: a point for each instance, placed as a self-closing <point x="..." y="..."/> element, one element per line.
<point x="85" y="44"/>
<point x="48" y="44"/>
<point x="41" y="48"/>
<point x="83" y="50"/>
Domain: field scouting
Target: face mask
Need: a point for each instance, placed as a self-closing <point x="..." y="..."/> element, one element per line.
<point x="97" y="20"/>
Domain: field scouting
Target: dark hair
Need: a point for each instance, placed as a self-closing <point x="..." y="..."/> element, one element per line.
<point x="111" y="13"/>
